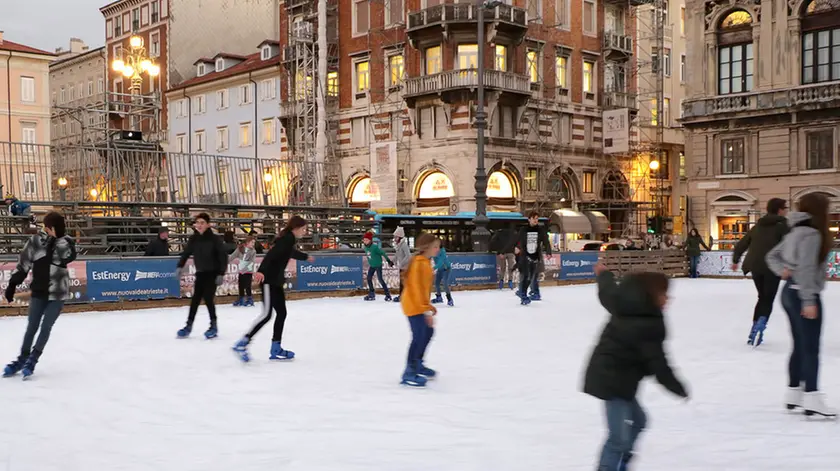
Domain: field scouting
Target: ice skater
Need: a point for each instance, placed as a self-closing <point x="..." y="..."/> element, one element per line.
<point x="692" y="249"/>
<point x="420" y="312"/>
<point x="630" y="348"/>
<point x="246" y="254"/>
<point x="532" y="239"/>
<point x="375" y="255"/>
<point x="502" y="244"/>
<point x="403" y="255"/>
<point x="47" y="255"/>
<point x="271" y="275"/>
<point x="210" y="259"/>
<point x="800" y="259"/>
<point x="764" y="235"/>
<point x="443" y="270"/>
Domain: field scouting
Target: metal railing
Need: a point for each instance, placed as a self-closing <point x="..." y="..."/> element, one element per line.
<point x="825" y="94"/>
<point x="467" y="78"/>
<point x="465" y="13"/>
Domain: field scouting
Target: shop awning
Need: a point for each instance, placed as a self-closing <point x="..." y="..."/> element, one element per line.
<point x="600" y="223"/>
<point x="567" y="221"/>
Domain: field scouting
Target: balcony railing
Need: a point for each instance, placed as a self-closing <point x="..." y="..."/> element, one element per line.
<point x="613" y="100"/>
<point x="467" y="78"/>
<point x="806" y="96"/>
<point x="465" y="13"/>
<point x="618" y="42"/>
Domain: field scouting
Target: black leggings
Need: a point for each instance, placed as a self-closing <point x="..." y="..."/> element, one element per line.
<point x="205" y="289"/>
<point x="245" y="280"/>
<point x="273" y="299"/>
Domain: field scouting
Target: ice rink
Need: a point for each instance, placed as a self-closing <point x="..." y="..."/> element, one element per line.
<point x="117" y="391"/>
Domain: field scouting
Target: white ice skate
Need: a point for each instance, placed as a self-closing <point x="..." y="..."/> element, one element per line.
<point x="793" y="398"/>
<point x="814" y="405"/>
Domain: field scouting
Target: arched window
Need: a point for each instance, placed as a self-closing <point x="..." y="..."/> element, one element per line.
<point x="821" y="41"/>
<point x="435" y="190"/>
<point x="735" y="53"/>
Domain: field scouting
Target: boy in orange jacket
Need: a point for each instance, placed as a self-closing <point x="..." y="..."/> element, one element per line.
<point x="419" y="310"/>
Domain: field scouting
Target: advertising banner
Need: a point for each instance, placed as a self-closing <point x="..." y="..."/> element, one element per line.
<point x="230" y="285"/>
<point x="552" y="270"/>
<point x="131" y="279"/>
<point x="78" y="283"/>
<point x="578" y="265"/>
<point x="330" y="273"/>
<point x="391" y="274"/>
<point x="472" y="269"/>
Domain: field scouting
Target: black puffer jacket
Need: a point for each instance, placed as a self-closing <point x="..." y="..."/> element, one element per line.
<point x="208" y="253"/>
<point x="630" y="346"/>
<point x="764" y="235"/>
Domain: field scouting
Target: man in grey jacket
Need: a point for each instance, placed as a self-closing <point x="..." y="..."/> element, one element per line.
<point x="403" y="255"/>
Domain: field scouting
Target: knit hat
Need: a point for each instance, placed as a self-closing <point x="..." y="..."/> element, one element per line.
<point x="399" y="232"/>
<point x="368" y="236"/>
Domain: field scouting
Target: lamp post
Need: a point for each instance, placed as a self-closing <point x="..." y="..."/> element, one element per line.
<point x="654" y="166"/>
<point x="267" y="179"/>
<point x="62" y="189"/>
<point x="481" y="235"/>
<point x="134" y="65"/>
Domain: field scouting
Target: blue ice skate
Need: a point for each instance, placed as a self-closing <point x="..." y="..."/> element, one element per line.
<point x="388" y="298"/>
<point x="211" y="333"/>
<point x="535" y="297"/>
<point x="239" y="302"/>
<point x="29" y="365"/>
<point x="625" y="461"/>
<point x="249" y="301"/>
<point x="753" y="333"/>
<point x="438" y="299"/>
<point x="397" y="298"/>
<point x="449" y="301"/>
<point x="370" y="297"/>
<point x="426" y="372"/>
<point x="760" y="325"/>
<point x="525" y="300"/>
<point x="411" y="378"/>
<point x="501" y="284"/>
<point x="277" y="353"/>
<point x="510" y="284"/>
<point x="185" y="332"/>
<point x="14" y="367"/>
<point x="241" y="350"/>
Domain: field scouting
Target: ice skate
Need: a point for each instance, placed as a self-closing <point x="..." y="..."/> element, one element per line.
<point x="525" y="300"/>
<point x="249" y="301"/>
<point x="241" y="350"/>
<point x="426" y="372"/>
<point x="625" y="461"/>
<point x="535" y="297"/>
<point x="239" y="302"/>
<point x="397" y="299"/>
<point x="14" y="367"/>
<point x="793" y="398"/>
<point x="438" y="299"/>
<point x="501" y="284"/>
<point x="753" y="332"/>
<point x="760" y="325"/>
<point x="510" y="284"/>
<point x="277" y="353"/>
<point x="449" y="301"/>
<point x="29" y="365"/>
<point x="370" y="297"/>
<point x="185" y="332"/>
<point x="814" y="405"/>
<point x="388" y="298"/>
<point x="411" y="378"/>
<point x="211" y="333"/>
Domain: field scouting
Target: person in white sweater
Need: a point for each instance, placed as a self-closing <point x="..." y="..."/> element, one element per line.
<point x="403" y="255"/>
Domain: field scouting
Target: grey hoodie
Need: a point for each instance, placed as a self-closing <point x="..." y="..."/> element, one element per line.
<point x="403" y="254"/>
<point x="247" y="259"/>
<point x="798" y="253"/>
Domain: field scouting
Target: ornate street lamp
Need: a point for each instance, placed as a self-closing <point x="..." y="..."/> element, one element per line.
<point x="135" y="64"/>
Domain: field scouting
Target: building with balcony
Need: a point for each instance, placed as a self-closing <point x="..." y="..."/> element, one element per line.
<point x="224" y="129"/>
<point x="77" y="95"/>
<point x="406" y="86"/>
<point x="25" y="120"/>
<point x="761" y="111"/>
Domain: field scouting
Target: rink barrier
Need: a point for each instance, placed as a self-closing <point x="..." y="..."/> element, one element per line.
<point x="718" y="264"/>
<point x="144" y="282"/>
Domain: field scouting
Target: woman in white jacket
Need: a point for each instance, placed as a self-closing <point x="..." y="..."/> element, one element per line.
<point x="403" y="255"/>
<point x="800" y="259"/>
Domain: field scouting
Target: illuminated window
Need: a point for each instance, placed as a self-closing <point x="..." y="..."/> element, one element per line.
<point x="588" y="79"/>
<point x="500" y="60"/>
<point x="532" y="65"/>
<point x="467" y="56"/>
<point x="362" y="76"/>
<point x="396" y="68"/>
<point x="561" y="70"/>
<point x="433" y="64"/>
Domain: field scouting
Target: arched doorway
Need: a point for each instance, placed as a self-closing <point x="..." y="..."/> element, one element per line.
<point x="361" y="192"/>
<point x="434" y="193"/>
<point x="562" y="188"/>
<point x="502" y="191"/>
<point x="833" y="195"/>
<point x="732" y="213"/>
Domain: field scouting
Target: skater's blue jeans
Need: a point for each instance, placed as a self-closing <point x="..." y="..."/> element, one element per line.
<point x="804" y="361"/>
<point x="442" y="277"/>
<point x="625" y="421"/>
<point x="535" y="283"/>
<point x="378" y="271"/>
<point x="528" y="273"/>
<point x="42" y="313"/>
<point x="693" y="261"/>
<point x="421" y="335"/>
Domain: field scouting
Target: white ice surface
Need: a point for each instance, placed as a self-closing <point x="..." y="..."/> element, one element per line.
<point x="117" y="391"/>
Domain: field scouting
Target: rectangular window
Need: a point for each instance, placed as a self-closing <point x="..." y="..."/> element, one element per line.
<point x="62" y="96"/>
<point x="532" y="179"/>
<point x="819" y="149"/>
<point x="532" y="66"/>
<point x="222" y="99"/>
<point x="90" y="88"/>
<point x="135" y="19"/>
<point x="500" y="59"/>
<point x="154" y="44"/>
<point x="30" y="184"/>
<point x="182" y="187"/>
<point x="534" y="10"/>
<point x="247" y="178"/>
<point x="27" y="89"/>
<point x="155" y="11"/>
<point x="588" y="78"/>
<point x="396" y="70"/>
<point x="682" y="68"/>
<point x="144" y="13"/>
<point x="332" y="84"/>
<point x="359" y="132"/>
<point x="561" y="67"/>
<point x="394" y="12"/>
<point x="222" y="141"/>
<point x="244" y="134"/>
<point x="682" y="21"/>
<point x="682" y="164"/>
<point x="590" y="17"/>
<point x="588" y="180"/>
<point x="361" y="16"/>
<point x="181" y="141"/>
<point x="118" y="26"/>
<point x="732" y="156"/>
<point x="269" y="131"/>
<point x="667" y="62"/>
<point x="735" y="68"/>
<point x="246" y="96"/>
<point x="821" y="56"/>
<point x="467" y="56"/>
<point x="666" y="112"/>
<point x="433" y="64"/>
<point x="27" y="134"/>
<point x="200" y="104"/>
<point x="109" y="29"/>
<point x="561" y="14"/>
<point x="362" y="76"/>
<point x="200" y="188"/>
<point x="200" y="141"/>
<point x="268" y="90"/>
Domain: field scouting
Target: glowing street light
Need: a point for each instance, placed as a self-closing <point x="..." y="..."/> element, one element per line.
<point x="94" y="193"/>
<point x="654" y="165"/>
<point x="267" y="177"/>
<point x="62" y="182"/>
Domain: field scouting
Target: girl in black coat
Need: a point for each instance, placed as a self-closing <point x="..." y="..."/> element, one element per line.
<point x="271" y="275"/>
<point x="629" y="349"/>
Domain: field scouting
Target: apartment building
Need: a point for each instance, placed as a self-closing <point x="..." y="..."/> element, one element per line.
<point x="25" y="120"/>
<point x="761" y="110"/>
<point x="224" y="129"/>
<point x="77" y="95"/>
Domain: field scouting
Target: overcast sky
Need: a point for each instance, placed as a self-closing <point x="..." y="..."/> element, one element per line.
<point x="48" y="24"/>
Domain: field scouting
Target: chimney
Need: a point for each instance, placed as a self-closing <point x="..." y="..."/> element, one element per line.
<point x="76" y="45"/>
